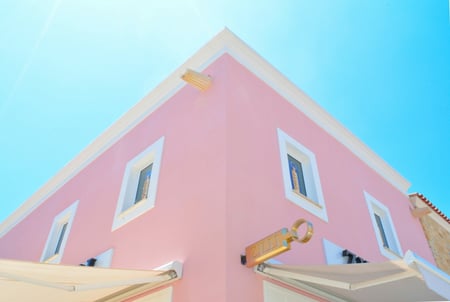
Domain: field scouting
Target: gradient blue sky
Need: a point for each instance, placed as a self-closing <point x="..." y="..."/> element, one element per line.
<point x="70" y="68"/>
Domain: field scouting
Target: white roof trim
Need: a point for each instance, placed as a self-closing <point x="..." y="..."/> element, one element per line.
<point x="265" y="71"/>
<point x="224" y="42"/>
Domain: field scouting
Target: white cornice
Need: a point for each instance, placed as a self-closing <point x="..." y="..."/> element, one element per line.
<point x="224" y="42"/>
<point x="269" y="74"/>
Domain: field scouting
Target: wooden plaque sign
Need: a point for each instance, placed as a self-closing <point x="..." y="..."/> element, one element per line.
<point x="276" y="243"/>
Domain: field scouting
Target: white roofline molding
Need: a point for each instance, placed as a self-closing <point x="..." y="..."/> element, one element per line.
<point x="224" y="42"/>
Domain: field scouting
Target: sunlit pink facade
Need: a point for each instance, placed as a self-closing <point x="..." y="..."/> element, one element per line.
<point x="220" y="185"/>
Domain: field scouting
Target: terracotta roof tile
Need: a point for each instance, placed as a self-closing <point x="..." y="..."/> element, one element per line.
<point x="431" y="205"/>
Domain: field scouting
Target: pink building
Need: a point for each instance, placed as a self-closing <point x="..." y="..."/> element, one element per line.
<point x="174" y="192"/>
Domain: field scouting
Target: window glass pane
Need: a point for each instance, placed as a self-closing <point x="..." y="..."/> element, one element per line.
<point x="296" y="174"/>
<point x="143" y="185"/>
<point x="381" y="230"/>
<point x="60" y="238"/>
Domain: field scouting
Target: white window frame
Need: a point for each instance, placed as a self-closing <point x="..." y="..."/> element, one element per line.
<point x="127" y="209"/>
<point x="65" y="217"/>
<point x="102" y="260"/>
<point x="333" y="252"/>
<point x="394" y="251"/>
<point x="314" y="201"/>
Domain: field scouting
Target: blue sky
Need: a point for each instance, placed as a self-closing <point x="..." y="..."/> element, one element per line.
<point x="70" y="68"/>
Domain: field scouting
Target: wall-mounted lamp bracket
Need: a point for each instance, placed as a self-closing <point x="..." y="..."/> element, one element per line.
<point x="420" y="212"/>
<point x="197" y="79"/>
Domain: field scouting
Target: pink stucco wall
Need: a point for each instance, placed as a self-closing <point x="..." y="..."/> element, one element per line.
<point x="256" y="205"/>
<point x="220" y="189"/>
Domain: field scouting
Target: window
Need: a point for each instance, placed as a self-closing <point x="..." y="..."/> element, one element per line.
<point x="143" y="184"/>
<point x="381" y="230"/>
<point x="301" y="176"/>
<point x="333" y="252"/>
<point x="59" y="232"/>
<point x="296" y="174"/>
<point x="384" y="228"/>
<point x="102" y="260"/>
<point x="61" y="237"/>
<point x="139" y="185"/>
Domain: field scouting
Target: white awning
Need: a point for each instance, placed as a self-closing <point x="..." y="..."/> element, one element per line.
<point x="410" y="279"/>
<point x="28" y="281"/>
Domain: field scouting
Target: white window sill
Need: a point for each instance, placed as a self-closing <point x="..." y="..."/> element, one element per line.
<point x="391" y="254"/>
<point x="132" y="212"/>
<point x="307" y="204"/>
<point x="312" y="202"/>
<point x="132" y="208"/>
